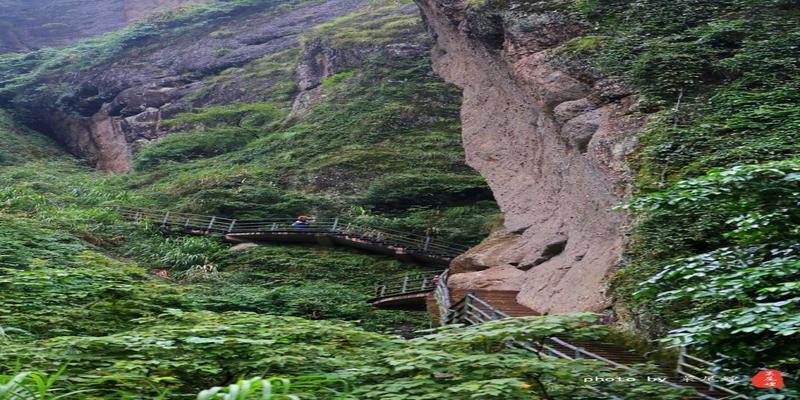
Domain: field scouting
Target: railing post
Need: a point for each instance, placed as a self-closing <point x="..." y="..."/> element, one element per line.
<point x="383" y="290"/>
<point x="211" y="224"/>
<point x="335" y="224"/>
<point x="578" y="353"/>
<point x="186" y="225"/>
<point x="230" y="228"/>
<point x="681" y="358"/>
<point x="424" y="283"/>
<point x="274" y="225"/>
<point x="405" y="284"/>
<point x="427" y="242"/>
<point x="138" y="217"/>
<point x="166" y="218"/>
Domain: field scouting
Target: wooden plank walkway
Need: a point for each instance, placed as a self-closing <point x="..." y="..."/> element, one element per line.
<point x="331" y="231"/>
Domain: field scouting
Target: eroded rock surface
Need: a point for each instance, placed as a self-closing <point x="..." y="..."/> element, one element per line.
<point x="551" y="139"/>
<point x="120" y="104"/>
<point x="31" y="24"/>
<point x="104" y="113"/>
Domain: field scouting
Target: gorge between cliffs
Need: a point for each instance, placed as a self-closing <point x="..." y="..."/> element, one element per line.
<point x="352" y="199"/>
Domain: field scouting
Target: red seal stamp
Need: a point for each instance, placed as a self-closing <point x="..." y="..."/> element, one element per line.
<point x="768" y="379"/>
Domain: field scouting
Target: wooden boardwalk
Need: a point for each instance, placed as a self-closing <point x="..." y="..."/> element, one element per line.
<point x="405" y="246"/>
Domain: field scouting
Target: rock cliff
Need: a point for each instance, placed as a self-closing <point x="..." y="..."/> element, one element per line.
<point x="31" y="24"/>
<point x="551" y="137"/>
<point x="108" y="109"/>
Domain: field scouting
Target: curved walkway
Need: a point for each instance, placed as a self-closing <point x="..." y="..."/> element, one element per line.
<point x="333" y="232"/>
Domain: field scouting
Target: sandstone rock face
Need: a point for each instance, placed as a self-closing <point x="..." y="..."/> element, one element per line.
<point x="551" y="140"/>
<point x="31" y="24"/>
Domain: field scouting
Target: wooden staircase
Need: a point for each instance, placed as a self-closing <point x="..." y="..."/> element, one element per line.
<point x="503" y="300"/>
<point x="626" y="356"/>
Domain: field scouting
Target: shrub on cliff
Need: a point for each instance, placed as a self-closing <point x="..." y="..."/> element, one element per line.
<point x="186" y="146"/>
<point x="742" y="293"/>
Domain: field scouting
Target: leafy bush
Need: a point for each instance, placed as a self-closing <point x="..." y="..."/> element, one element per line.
<point x="250" y="115"/>
<point x="403" y="191"/>
<point x="186" y="146"/>
<point x="279" y="389"/>
<point x="33" y="386"/>
<point x="185" y="352"/>
<point x="319" y="300"/>
<point x="78" y="294"/>
<point x="179" y="253"/>
<point x="742" y="293"/>
<point x="465" y="363"/>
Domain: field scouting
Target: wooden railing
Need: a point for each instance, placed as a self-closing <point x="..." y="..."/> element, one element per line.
<point x="702" y="371"/>
<point x="210" y="225"/>
<point x="471" y="310"/>
<point x="407" y="284"/>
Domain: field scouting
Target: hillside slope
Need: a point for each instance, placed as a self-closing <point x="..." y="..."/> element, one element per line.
<point x="32" y="24"/>
<point x="267" y="109"/>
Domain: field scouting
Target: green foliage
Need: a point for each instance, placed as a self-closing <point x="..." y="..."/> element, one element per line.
<point x="306" y="387"/>
<point x="186" y="146"/>
<point x="401" y="191"/>
<point x="742" y="292"/>
<point x="721" y="75"/>
<point x="374" y="25"/>
<point x="181" y="352"/>
<point x="179" y="253"/>
<point x="22" y="74"/>
<point x="78" y="294"/>
<point x="252" y="116"/>
<point x="337" y="79"/>
<point x="315" y="283"/>
<point x="186" y="352"/>
<point x="463" y="363"/>
<point x="18" y="145"/>
<point x="33" y="386"/>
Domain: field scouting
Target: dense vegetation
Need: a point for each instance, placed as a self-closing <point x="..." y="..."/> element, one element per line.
<point x="117" y="311"/>
<point x="382" y="146"/>
<point x="385" y="153"/>
<point x="717" y="246"/>
<point x="108" y="310"/>
<point x="83" y="309"/>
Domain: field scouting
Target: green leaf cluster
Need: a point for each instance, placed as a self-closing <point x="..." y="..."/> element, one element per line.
<point x="742" y="293"/>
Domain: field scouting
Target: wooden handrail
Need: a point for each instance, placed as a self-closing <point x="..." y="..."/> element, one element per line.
<point x="406" y="284"/>
<point x="209" y="224"/>
<point x="686" y="360"/>
<point x="464" y="311"/>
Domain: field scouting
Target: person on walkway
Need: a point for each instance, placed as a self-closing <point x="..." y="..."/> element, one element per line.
<point x="301" y="223"/>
